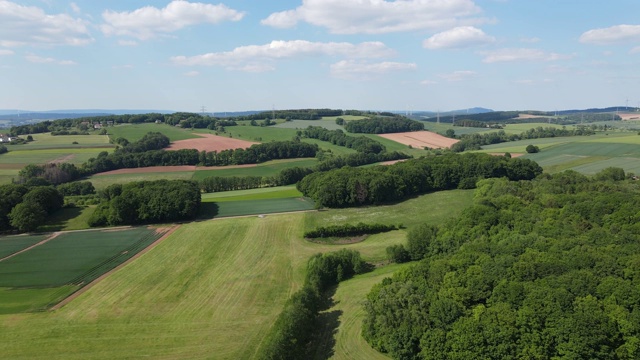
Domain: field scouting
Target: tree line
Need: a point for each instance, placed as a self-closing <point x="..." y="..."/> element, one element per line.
<point x="345" y="187"/>
<point x="147" y="202"/>
<point x="476" y="141"/>
<point x="293" y="330"/>
<point x="24" y="208"/>
<point x="383" y="125"/>
<point x="338" y="137"/>
<point x="540" y="269"/>
<point x="348" y="230"/>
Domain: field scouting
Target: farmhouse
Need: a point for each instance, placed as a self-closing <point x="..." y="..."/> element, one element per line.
<point x="6" y="138"/>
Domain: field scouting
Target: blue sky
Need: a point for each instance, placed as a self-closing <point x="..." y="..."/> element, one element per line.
<point x="350" y="54"/>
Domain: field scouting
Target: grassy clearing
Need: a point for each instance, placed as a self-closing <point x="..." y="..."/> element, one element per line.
<point x="280" y="192"/>
<point x="102" y="181"/>
<point x="12" y="244"/>
<point x="432" y="208"/>
<point x="135" y="132"/>
<point x="68" y="219"/>
<point x="210" y="210"/>
<point x="48" y="141"/>
<point x="270" y="168"/>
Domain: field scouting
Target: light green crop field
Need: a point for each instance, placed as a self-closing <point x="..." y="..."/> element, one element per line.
<point x="442" y="127"/>
<point x="41" y="156"/>
<point x="210" y="290"/>
<point x="102" y="181"/>
<point x="135" y="132"/>
<point x="269" y="168"/>
<point x="253" y="133"/>
<point x="434" y="208"/>
<point x="48" y="141"/>
<point x="520" y="128"/>
<point x="279" y="192"/>
<point x="210" y="210"/>
<point x="327" y="123"/>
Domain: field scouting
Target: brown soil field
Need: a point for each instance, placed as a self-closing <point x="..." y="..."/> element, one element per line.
<point x="210" y="142"/>
<point x="420" y="139"/>
<point x="630" y="116"/>
<point x="528" y="116"/>
<point x="62" y="159"/>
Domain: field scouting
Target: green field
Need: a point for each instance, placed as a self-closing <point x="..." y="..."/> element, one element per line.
<point x="66" y="262"/>
<point x="12" y="244"/>
<point x="135" y="132"/>
<point x="269" y="168"/>
<point x="254" y="207"/>
<point x="326" y="122"/>
<point x="48" y="141"/>
<point x="102" y="181"/>
<point x="39" y="156"/>
<point x="253" y="133"/>
<point x="280" y="192"/>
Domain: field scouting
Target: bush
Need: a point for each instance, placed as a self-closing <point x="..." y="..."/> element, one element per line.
<point x="532" y="149"/>
<point x="397" y="254"/>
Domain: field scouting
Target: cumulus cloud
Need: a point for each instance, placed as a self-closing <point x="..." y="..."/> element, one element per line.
<point x="459" y="75"/>
<point x="353" y="69"/>
<point x="611" y="35"/>
<point x="378" y="16"/>
<point x="127" y="42"/>
<point x="75" y="8"/>
<point x="149" y="22"/>
<point x="29" y="25"/>
<point x="521" y="54"/>
<point x="48" y="60"/>
<point x="251" y="54"/>
<point x="192" y="73"/>
<point x="457" y="38"/>
<point x="531" y="40"/>
<point x="6" y="52"/>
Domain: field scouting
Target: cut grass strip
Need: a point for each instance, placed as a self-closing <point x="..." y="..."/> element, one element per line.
<point x="253" y="194"/>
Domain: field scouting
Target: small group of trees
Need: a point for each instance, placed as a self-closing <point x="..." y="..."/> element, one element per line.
<point x="338" y="137"/>
<point x="383" y="125"/>
<point x="293" y="330"/>
<point x="147" y="202"/>
<point x="345" y="187"/>
<point x="348" y="230"/>
<point x="24" y="208"/>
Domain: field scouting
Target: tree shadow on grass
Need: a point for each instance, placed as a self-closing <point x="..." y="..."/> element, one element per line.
<point x="208" y="210"/>
<point x="323" y="344"/>
<point x="58" y="220"/>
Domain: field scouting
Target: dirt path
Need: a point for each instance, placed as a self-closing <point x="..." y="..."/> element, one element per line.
<point x="54" y="235"/>
<point x="133" y="258"/>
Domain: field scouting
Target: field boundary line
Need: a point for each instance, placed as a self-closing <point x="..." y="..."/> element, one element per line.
<point x="80" y="291"/>
<point x="53" y="236"/>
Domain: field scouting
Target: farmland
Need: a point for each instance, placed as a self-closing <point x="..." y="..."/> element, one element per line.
<point x="54" y="269"/>
<point x="135" y="132"/>
<point x="216" y="286"/>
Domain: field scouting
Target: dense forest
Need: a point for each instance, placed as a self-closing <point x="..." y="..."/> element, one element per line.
<point x="345" y="187"/>
<point x="25" y="207"/>
<point x="383" y="125"/>
<point x="147" y="202"/>
<point x="542" y="269"/>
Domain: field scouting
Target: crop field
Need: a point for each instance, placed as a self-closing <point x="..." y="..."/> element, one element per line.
<point x="255" y="133"/>
<point x="38" y="156"/>
<point x="254" y="207"/>
<point x="135" y="132"/>
<point x="520" y="128"/>
<point x="280" y="192"/>
<point x="12" y="244"/>
<point x="67" y="262"/>
<point x="327" y="123"/>
<point x="48" y="141"/>
<point x="269" y="168"/>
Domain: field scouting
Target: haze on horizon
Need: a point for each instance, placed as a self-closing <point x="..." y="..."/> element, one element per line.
<point x="369" y="54"/>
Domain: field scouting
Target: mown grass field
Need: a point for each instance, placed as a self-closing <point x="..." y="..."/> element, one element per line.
<point x="280" y="192"/>
<point x="210" y="290"/>
<point x="269" y="168"/>
<point x="135" y="132"/>
<point x="209" y="210"/>
<point x="102" y="181"/>
<point x="56" y="268"/>
<point x="48" y="141"/>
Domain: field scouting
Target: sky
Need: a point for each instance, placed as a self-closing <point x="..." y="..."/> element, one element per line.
<point x="236" y="55"/>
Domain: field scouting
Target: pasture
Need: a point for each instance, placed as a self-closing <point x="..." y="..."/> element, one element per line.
<point x="269" y="168"/>
<point x="66" y="262"/>
<point x="48" y="141"/>
<point x="135" y="132"/>
<point x="212" y="289"/>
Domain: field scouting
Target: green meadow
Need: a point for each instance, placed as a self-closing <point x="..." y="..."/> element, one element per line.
<point x="269" y="168"/>
<point x="135" y="132"/>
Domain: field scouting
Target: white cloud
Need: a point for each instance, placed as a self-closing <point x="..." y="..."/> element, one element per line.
<point x="611" y="35"/>
<point x="192" y="73"/>
<point x="428" y="82"/>
<point x="149" y="22"/>
<point x="122" y="67"/>
<point x="253" y="68"/>
<point x="6" y="52"/>
<point x="48" y="60"/>
<point x="286" y="49"/>
<point x="531" y="40"/>
<point x="521" y="54"/>
<point x="75" y="8"/>
<point x="378" y="16"/>
<point x="29" y="25"/>
<point x="127" y="42"/>
<point x="352" y="69"/>
<point x="532" y="82"/>
<point x="459" y="75"/>
<point x="459" y="37"/>
<point x="635" y="50"/>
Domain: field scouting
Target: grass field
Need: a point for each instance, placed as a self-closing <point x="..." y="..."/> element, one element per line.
<point x="327" y="123"/>
<point x="209" y="210"/>
<point x="269" y="168"/>
<point x="253" y="133"/>
<point x="65" y="263"/>
<point x="48" y="141"/>
<point x="135" y="132"/>
<point x="102" y="181"/>
<point x="38" y="156"/>
<point x="210" y="290"/>
<point x="280" y="192"/>
<point x="67" y="219"/>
